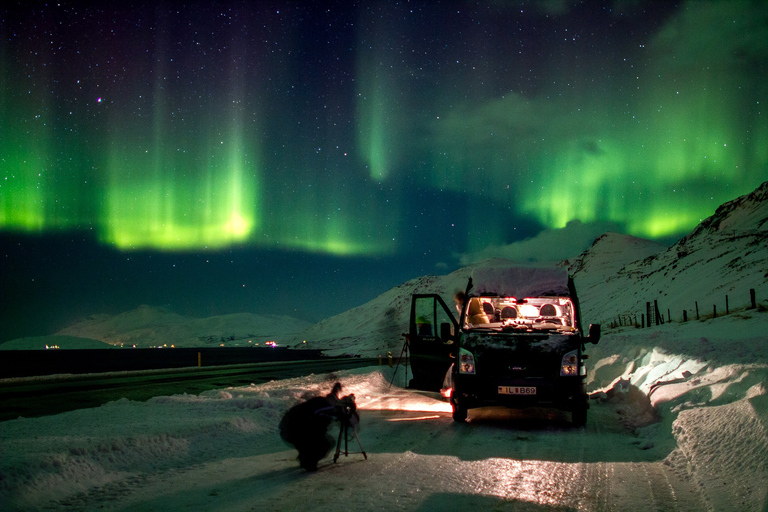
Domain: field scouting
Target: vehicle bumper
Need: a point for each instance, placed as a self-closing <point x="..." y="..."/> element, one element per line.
<point x="566" y="393"/>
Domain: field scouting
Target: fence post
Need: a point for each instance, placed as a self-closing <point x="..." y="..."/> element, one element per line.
<point x="685" y="315"/>
<point x="697" y="310"/>
<point x="752" y="297"/>
<point x="714" y="310"/>
<point x="648" y="313"/>
<point x="669" y="316"/>
<point x="656" y="311"/>
<point x="642" y="319"/>
<point x="727" y="309"/>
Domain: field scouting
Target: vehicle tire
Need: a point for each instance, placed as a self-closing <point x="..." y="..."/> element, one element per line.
<point x="459" y="412"/>
<point x="579" y="416"/>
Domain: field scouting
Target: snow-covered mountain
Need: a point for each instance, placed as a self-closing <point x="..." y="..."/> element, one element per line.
<point x="54" y="341"/>
<point x="147" y="326"/>
<point x="727" y="254"/>
<point x="377" y="326"/>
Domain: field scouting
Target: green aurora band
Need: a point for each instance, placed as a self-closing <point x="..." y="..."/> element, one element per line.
<point x="657" y="150"/>
<point x="179" y="193"/>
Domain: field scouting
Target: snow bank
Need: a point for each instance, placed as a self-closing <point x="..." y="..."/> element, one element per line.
<point x="726" y="451"/>
<point x="708" y="391"/>
<point x="55" y="458"/>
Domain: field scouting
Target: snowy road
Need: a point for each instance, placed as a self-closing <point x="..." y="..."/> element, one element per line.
<point x="423" y="461"/>
<point x="415" y="481"/>
<point x="221" y="451"/>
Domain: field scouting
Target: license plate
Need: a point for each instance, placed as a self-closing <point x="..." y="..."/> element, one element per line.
<point x="517" y="390"/>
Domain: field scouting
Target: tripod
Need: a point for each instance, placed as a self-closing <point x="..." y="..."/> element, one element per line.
<point x="403" y="351"/>
<point x="344" y="433"/>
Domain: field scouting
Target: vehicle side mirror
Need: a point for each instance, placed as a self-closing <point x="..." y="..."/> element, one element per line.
<point x="445" y="333"/>
<point x="594" y="333"/>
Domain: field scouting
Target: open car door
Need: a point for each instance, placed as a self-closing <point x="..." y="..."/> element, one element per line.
<point x="432" y="339"/>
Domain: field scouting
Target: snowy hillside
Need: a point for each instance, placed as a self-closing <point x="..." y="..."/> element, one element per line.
<point x="377" y="326"/>
<point x="146" y="326"/>
<point x="611" y="252"/>
<point x="726" y="255"/>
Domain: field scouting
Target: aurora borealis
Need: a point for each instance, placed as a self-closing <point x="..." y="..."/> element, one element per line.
<point x="367" y="135"/>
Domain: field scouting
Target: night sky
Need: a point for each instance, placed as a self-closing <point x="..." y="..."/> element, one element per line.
<point x="301" y="158"/>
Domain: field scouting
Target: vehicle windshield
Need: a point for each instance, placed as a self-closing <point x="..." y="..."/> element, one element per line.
<point x="530" y="314"/>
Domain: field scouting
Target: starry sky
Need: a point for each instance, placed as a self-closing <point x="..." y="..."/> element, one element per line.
<point x="300" y="158"/>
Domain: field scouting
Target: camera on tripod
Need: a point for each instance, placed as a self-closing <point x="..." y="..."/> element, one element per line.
<point x="346" y="410"/>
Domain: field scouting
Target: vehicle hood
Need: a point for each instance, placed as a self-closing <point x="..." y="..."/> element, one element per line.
<point x="532" y="342"/>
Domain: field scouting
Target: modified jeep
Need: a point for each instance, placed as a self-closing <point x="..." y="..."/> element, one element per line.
<point x="518" y="342"/>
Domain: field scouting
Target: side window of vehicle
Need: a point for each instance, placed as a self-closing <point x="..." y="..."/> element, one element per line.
<point x="425" y="316"/>
<point x="433" y="323"/>
<point x="444" y="319"/>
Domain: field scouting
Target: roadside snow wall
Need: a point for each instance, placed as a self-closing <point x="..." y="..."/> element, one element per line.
<point x="713" y="403"/>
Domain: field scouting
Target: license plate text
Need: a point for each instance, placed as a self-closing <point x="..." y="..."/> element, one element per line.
<point x="517" y="390"/>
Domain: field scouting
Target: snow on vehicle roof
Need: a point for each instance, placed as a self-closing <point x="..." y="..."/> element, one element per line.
<point x="519" y="282"/>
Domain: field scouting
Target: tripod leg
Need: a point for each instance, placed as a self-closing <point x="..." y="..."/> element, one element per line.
<point x="338" y="445"/>
<point x="360" y="444"/>
<point x="344" y="433"/>
<point x="403" y="350"/>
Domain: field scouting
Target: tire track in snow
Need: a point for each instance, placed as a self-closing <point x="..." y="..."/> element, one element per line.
<point x="427" y="464"/>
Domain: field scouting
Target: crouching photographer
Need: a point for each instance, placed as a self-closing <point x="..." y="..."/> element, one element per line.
<point x="305" y="426"/>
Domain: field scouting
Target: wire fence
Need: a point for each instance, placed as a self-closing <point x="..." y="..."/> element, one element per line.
<point x="654" y="315"/>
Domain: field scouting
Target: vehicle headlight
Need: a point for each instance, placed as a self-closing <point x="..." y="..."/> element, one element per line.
<point x="466" y="361"/>
<point x="570" y="364"/>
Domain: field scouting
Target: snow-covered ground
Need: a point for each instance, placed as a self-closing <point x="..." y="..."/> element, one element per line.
<point x="678" y="421"/>
<point x="702" y="447"/>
